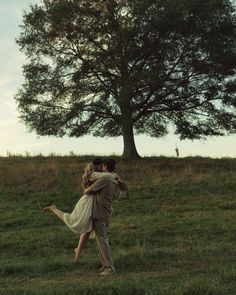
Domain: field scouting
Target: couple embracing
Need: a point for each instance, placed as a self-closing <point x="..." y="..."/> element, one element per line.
<point x="94" y="209"/>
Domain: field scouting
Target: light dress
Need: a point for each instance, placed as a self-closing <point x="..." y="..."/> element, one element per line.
<point x="80" y="220"/>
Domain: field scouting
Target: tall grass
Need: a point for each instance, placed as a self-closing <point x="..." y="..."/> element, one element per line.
<point x="50" y="172"/>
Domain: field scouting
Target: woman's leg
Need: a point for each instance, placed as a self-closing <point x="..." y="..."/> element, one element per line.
<point x="82" y="241"/>
<point x="83" y="238"/>
<point x="57" y="212"/>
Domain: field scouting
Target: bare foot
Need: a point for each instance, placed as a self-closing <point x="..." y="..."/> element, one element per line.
<point x="76" y="255"/>
<point x="50" y="208"/>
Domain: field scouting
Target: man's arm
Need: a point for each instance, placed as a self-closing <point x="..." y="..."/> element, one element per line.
<point x="96" y="186"/>
<point x="123" y="189"/>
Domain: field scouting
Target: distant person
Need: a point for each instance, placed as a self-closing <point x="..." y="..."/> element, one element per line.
<point x="81" y="220"/>
<point x="177" y="152"/>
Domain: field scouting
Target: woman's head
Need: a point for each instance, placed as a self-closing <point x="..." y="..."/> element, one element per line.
<point x="97" y="164"/>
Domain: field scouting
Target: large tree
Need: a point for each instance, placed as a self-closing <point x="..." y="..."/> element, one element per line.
<point x="119" y="67"/>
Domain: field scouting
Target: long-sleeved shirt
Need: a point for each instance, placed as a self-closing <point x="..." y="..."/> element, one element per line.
<point x="104" y="191"/>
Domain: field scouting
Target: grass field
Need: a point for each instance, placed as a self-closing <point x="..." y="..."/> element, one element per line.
<point x="175" y="235"/>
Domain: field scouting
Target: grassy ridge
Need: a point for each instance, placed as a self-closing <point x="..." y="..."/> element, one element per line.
<point x="176" y="234"/>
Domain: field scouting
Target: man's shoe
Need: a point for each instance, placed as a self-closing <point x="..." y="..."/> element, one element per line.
<point x="100" y="269"/>
<point x="107" y="271"/>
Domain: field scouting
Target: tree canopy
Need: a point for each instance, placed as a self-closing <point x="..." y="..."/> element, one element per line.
<point x="125" y="67"/>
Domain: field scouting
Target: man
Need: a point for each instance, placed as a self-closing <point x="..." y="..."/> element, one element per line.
<point x="104" y="191"/>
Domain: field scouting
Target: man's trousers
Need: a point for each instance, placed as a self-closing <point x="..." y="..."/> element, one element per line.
<point x="100" y="229"/>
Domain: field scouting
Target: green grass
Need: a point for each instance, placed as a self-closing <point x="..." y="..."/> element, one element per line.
<point x="175" y="235"/>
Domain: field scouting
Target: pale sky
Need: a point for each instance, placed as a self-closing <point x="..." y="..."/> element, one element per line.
<point x="15" y="138"/>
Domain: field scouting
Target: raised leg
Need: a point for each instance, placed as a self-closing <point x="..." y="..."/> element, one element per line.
<point x="57" y="212"/>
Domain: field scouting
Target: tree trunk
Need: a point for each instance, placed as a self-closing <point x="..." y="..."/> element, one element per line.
<point x="130" y="151"/>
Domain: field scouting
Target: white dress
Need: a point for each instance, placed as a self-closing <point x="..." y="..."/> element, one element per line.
<point x="80" y="220"/>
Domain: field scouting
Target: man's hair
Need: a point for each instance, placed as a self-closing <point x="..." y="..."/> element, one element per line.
<point x="110" y="163"/>
<point x="97" y="161"/>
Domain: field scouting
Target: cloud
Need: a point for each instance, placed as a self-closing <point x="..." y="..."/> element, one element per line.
<point x="7" y="122"/>
<point x="31" y="145"/>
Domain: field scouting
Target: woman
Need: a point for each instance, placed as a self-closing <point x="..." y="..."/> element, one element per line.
<point x="79" y="221"/>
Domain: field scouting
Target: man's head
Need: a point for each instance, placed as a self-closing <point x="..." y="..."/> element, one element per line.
<point x="97" y="163"/>
<point x="109" y="165"/>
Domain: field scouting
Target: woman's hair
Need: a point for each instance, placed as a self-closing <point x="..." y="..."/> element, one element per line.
<point x="88" y="170"/>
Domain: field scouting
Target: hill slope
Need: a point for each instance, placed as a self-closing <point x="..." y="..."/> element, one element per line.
<point x="175" y="235"/>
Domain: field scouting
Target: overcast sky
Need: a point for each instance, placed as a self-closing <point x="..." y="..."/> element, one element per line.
<point x="15" y="138"/>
